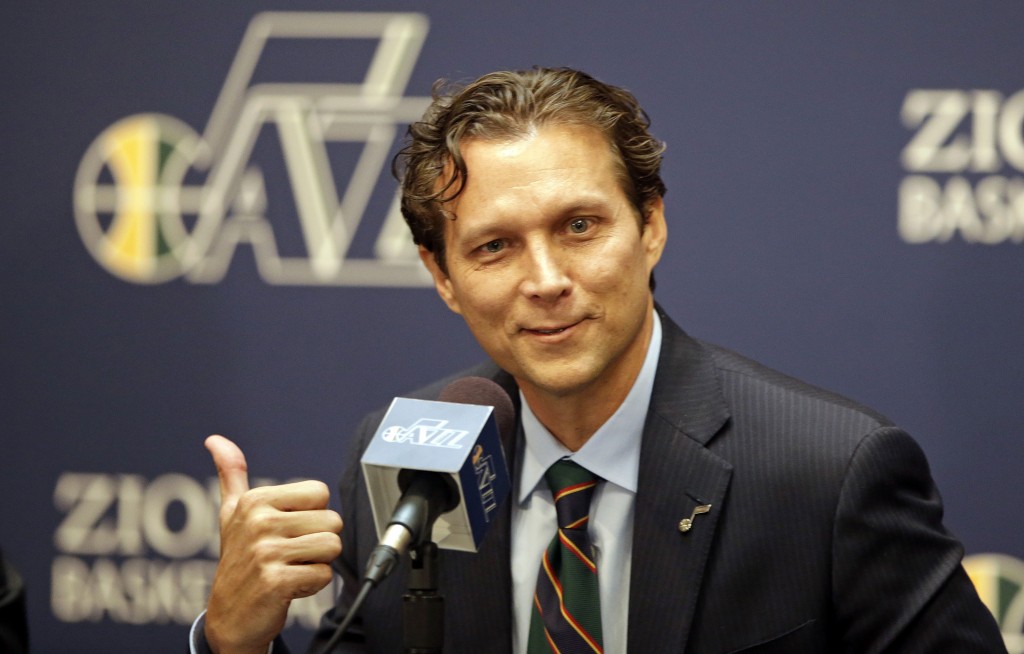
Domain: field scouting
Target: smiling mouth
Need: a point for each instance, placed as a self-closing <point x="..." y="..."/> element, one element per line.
<point x="550" y="331"/>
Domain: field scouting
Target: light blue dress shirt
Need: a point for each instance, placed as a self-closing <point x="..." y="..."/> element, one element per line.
<point x="612" y="453"/>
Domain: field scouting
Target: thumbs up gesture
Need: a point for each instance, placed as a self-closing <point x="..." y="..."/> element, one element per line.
<point x="276" y="545"/>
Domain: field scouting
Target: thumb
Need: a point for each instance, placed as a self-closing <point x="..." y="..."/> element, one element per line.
<point x="231" y="470"/>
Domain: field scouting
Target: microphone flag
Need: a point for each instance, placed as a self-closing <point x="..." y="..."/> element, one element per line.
<point x="460" y="440"/>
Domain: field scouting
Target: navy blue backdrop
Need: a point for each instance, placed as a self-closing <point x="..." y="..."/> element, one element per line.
<point x="197" y="237"/>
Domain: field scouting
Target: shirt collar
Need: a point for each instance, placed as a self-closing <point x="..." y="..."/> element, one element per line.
<point x="613" y="452"/>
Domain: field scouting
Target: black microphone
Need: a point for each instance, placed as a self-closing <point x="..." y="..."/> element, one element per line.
<point x="457" y="460"/>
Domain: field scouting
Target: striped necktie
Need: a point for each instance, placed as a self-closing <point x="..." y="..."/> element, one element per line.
<point x="566" y="605"/>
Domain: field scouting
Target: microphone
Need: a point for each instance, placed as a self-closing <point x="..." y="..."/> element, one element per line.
<point x="436" y="471"/>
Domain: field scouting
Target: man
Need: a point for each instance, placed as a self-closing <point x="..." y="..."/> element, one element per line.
<point x="737" y="509"/>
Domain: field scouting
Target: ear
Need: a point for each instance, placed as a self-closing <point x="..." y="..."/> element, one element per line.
<point x="442" y="283"/>
<point x="655" y="231"/>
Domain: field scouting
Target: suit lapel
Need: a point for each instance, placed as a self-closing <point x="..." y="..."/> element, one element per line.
<point x="677" y="474"/>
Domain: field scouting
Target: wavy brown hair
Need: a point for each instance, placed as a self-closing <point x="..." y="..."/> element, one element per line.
<point x="510" y="105"/>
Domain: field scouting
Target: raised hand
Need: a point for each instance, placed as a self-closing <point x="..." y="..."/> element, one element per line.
<point x="276" y="545"/>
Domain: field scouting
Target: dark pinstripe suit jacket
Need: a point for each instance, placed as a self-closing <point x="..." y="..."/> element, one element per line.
<point x="824" y="535"/>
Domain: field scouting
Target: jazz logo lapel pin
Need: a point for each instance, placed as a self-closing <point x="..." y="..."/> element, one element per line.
<point x="686" y="524"/>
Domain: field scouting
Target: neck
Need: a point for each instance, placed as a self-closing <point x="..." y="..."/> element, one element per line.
<point x="571" y="422"/>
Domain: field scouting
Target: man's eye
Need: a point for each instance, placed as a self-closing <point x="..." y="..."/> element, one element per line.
<point x="493" y="247"/>
<point x="579" y="226"/>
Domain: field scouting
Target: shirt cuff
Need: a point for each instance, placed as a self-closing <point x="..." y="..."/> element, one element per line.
<point x="197" y="638"/>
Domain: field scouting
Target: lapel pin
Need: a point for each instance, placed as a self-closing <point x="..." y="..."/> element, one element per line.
<point x="686" y="524"/>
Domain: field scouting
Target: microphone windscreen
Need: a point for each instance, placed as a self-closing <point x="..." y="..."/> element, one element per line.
<point x="484" y="392"/>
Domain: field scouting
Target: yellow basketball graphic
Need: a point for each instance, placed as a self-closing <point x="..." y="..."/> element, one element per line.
<point x="999" y="580"/>
<point x="130" y="203"/>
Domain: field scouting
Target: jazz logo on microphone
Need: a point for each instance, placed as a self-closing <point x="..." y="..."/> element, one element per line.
<point x="426" y="431"/>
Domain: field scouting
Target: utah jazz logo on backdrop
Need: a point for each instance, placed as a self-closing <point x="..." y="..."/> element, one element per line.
<point x="1000" y="583"/>
<point x="155" y="201"/>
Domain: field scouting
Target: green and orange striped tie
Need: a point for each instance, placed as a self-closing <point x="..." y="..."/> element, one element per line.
<point x="566" y="605"/>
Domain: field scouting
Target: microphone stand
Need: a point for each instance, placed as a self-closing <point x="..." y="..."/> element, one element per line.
<point x="423" y="606"/>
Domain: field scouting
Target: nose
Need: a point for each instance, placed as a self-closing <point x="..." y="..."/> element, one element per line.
<point x="546" y="276"/>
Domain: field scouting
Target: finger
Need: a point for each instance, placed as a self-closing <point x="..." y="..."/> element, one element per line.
<point x="300" y="523"/>
<point x="321" y="547"/>
<point x="262" y="521"/>
<point x="231" y="470"/>
<point x="297" y="496"/>
<point x="306" y="580"/>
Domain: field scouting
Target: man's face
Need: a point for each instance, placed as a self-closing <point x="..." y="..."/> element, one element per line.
<point x="548" y="262"/>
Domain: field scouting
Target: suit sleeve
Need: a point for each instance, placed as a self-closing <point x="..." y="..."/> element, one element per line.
<point x="898" y="584"/>
<point x="13" y="623"/>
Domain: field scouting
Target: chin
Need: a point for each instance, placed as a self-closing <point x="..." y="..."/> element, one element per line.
<point x="559" y="383"/>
